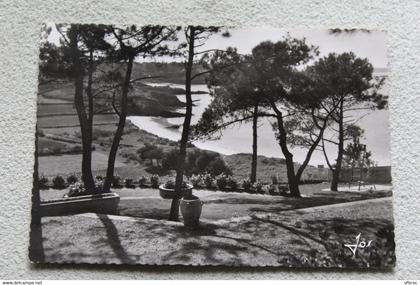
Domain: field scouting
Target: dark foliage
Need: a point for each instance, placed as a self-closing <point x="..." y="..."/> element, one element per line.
<point x="116" y="182"/>
<point x="43" y="182"/>
<point x="154" y="180"/>
<point x="128" y="183"/>
<point x="142" y="182"/>
<point x="197" y="162"/>
<point x="170" y="184"/>
<point x="58" y="182"/>
<point x="71" y="179"/>
<point x="221" y="182"/>
<point x="150" y="151"/>
<point x="232" y="183"/>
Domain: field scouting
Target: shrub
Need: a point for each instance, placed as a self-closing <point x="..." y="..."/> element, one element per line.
<point x="154" y="180"/>
<point x="218" y="166"/>
<point x="75" y="149"/>
<point x="196" y="180"/>
<point x="128" y="182"/>
<point x="142" y="182"/>
<point x="170" y="159"/>
<point x="246" y="184"/>
<point x="170" y="184"/>
<point x="42" y="182"/>
<point x="198" y="160"/>
<point x="72" y="179"/>
<point x="150" y="151"/>
<point x="98" y="133"/>
<point x="76" y="189"/>
<point x="99" y="183"/>
<point x="56" y="150"/>
<point x="208" y="181"/>
<point x="116" y="182"/>
<point x="283" y="189"/>
<point x="258" y="186"/>
<point x="221" y="182"/>
<point x="58" y="182"/>
<point x="232" y="183"/>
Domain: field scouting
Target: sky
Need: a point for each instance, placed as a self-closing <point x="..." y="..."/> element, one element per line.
<point x="369" y="45"/>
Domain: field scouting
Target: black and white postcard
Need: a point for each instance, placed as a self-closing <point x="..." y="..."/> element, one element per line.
<point x="207" y="145"/>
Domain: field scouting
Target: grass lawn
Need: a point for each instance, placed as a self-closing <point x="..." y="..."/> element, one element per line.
<point x="219" y="205"/>
<point x="307" y="237"/>
<point x="146" y="203"/>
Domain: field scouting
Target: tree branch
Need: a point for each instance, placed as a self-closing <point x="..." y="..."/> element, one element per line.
<point x="326" y="156"/>
<point x="119" y="85"/>
<point x="113" y="105"/>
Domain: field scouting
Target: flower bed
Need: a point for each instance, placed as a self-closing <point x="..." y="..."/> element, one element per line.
<point x="106" y="203"/>
<point x="221" y="182"/>
<point x="167" y="190"/>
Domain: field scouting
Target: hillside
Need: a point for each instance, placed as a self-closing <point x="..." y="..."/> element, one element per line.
<point x="143" y="100"/>
<point x="240" y="164"/>
<point x="173" y="72"/>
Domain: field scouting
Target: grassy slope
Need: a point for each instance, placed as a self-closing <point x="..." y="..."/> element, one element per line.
<point x="240" y="164"/>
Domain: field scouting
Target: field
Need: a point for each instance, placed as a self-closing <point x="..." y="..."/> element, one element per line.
<point x="70" y="163"/>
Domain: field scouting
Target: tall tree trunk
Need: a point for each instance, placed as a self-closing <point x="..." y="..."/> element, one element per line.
<point x="174" y="214"/>
<point x="339" y="161"/>
<point x="87" y="177"/>
<point x="253" y="176"/>
<point x="87" y="150"/>
<point x="120" y="129"/>
<point x="290" y="168"/>
<point x="310" y="152"/>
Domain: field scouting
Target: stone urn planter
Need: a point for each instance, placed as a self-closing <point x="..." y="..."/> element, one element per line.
<point x="106" y="203"/>
<point x="167" y="192"/>
<point x="191" y="207"/>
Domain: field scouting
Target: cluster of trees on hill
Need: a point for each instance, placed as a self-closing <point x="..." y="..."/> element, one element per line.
<point x="303" y="95"/>
<point x="303" y="99"/>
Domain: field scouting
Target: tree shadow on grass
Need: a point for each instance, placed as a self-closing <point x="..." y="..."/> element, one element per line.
<point x="208" y="252"/>
<point x="301" y="243"/>
<point x="114" y="240"/>
<point x="318" y="199"/>
<point x="152" y="213"/>
<point x="332" y="234"/>
<point x="214" y="244"/>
